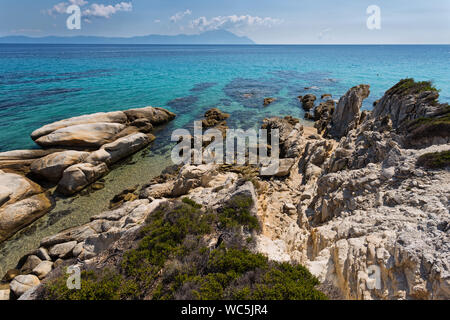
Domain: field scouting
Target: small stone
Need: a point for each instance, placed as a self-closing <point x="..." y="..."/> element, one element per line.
<point x="10" y="275"/>
<point x="43" y="269"/>
<point x="78" y="249"/>
<point x="42" y="254"/>
<point x="4" y="294"/>
<point x="31" y="262"/>
<point x="62" y="250"/>
<point x="58" y="263"/>
<point x="98" y="186"/>
<point x="23" y="283"/>
<point x="388" y="173"/>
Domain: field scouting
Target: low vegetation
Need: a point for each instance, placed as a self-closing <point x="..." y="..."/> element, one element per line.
<point x="175" y="259"/>
<point x="436" y="160"/>
<point x="436" y="126"/>
<point x="409" y="86"/>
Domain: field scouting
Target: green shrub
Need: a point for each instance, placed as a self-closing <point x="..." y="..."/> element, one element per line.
<point x="409" y="86"/>
<point x="107" y="286"/>
<point x="174" y="260"/>
<point x="237" y="213"/>
<point x="434" y="160"/>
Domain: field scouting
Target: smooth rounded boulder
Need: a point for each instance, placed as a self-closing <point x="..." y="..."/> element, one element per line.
<point x="51" y="167"/>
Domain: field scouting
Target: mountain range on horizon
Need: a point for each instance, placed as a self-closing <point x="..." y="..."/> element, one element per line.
<point x="209" y="37"/>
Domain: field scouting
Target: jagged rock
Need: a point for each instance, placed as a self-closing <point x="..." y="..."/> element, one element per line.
<point x="347" y="110"/>
<point x="326" y="95"/>
<point x="158" y="191"/>
<point x="22" y="284"/>
<point x="191" y="177"/>
<point x="51" y="167"/>
<point x="62" y="250"/>
<point x="290" y="135"/>
<point x="78" y="176"/>
<point x="407" y="101"/>
<point x="42" y="269"/>
<point x="323" y="115"/>
<point x="285" y="166"/>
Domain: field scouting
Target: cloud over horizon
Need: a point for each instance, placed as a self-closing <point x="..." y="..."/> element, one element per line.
<point x="93" y="10"/>
<point x="180" y="15"/>
<point x="233" y="22"/>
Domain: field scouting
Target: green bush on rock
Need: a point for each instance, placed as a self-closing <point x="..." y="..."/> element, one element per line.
<point x="174" y="260"/>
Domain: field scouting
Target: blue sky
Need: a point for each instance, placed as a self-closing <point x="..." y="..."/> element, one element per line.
<point x="264" y="21"/>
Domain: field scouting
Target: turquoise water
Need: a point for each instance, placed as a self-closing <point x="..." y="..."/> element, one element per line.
<point x="43" y="83"/>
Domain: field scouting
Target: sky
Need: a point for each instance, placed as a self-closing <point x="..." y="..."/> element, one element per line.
<point x="263" y="21"/>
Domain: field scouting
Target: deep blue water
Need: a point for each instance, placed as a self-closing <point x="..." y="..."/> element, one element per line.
<point x="40" y="84"/>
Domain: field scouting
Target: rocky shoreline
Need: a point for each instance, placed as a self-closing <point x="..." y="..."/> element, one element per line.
<point x="362" y="189"/>
<point x="76" y="153"/>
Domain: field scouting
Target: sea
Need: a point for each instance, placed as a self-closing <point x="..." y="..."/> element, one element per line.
<point x="40" y="84"/>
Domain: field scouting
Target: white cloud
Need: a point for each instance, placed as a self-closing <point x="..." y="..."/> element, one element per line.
<point x="78" y="2"/>
<point x="233" y="22"/>
<point x="94" y="10"/>
<point x="180" y="15"/>
<point x="100" y="10"/>
<point x="157" y="21"/>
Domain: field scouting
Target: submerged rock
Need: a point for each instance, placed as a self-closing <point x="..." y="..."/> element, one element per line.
<point x="268" y="101"/>
<point x="307" y="101"/>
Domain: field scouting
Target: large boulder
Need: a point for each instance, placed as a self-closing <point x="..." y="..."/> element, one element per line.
<point x="16" y="216"/>
<point x="51" y="167"/>
<point x="347" y="112"/>
<point x="21" y="160"/>
<point x="119" y="149"/>
<point x="90" y="135"/>
<point x="14" y="187"/>
<point x="22" y="284"/>
<point x="110" y="117"/>
<point x="93" y="131"/>
<point x="79" y="176"/>
<point x="157" y="116"/>
<point x="290" y="133"/>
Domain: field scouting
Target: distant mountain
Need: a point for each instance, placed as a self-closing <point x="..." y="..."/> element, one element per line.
<point x="210" y="37"/>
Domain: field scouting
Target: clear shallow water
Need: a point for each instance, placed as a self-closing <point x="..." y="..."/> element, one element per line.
<point x="40" y="84"/>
